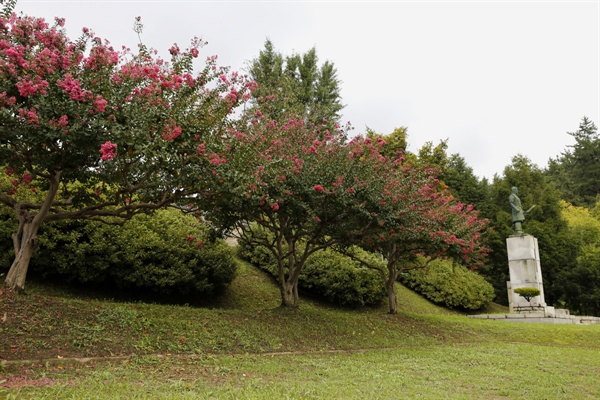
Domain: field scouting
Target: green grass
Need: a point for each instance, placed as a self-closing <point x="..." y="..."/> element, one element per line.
<point x="243" y="346"/>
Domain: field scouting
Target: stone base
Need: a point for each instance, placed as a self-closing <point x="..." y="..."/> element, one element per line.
<point x="541" y="318"/>
<point x="525" y="271"/>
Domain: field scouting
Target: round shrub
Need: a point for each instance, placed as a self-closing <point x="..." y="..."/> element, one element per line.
<point x="166" y="252"/>
<point x="527" y="292"/>
<point x="449" y="284"/>
<point x="341" y="280"/>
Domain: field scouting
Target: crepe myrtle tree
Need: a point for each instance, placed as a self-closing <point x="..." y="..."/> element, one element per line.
<point x="104" y="134"/>
<point x="293" y="180"/>
<point x="415" y="221"/>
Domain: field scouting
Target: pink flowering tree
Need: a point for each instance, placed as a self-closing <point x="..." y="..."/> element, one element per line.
<point x="295" y="181"/>
<point x="103" y="133"/>
<point x="416" y="221"/>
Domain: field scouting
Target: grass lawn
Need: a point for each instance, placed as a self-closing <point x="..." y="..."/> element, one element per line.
<point x="243" y="346"/>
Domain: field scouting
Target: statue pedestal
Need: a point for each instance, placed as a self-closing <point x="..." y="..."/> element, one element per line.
<point x="525" y="271"/>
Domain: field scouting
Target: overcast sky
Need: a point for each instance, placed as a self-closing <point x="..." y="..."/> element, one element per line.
<point x="495" y="78"/>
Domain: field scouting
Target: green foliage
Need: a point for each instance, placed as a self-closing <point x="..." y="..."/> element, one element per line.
<point x="340" y="280"/>
<point x="528" y="292"/>
<point x="577" y="171"/>
<point x="581" y="284"/>
<point x="446" y="283"/>
<point x="396" y="142"/>
<point x="8" y="226"/>
<point x="328" y="275"/>
<point x="295" y="86"/>
<point x="167" y="252"/>
<point x="463" y="184"/>
<point x="7" y="7"/>
<point x="434" y="156"/>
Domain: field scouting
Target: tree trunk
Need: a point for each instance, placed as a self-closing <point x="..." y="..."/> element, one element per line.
<point x="24" y="239"/>
<point x="390" y="282"/>
<point x="288" y="298"/>
<point x="389" y="287"/>
<point x="15" y="280"/>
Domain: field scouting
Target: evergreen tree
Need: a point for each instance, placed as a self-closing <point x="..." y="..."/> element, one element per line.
<point x="577" y="171"/>
<point x="296" y="87"/>
<point x="464" y="184"/>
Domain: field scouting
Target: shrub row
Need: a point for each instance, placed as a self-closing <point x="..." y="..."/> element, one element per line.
<point x="166" y="252"/>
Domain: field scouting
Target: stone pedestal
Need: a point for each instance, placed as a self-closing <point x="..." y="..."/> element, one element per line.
<point x="525" y="271"/>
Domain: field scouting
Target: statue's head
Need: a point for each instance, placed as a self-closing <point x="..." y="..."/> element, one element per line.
<point x="515" y="190"/>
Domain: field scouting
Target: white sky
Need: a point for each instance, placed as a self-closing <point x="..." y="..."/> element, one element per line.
<point x="496" y="78"/>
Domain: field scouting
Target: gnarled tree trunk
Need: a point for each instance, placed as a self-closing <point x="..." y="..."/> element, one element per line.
<point x="288" y="297"/>
<point x="24" y="244"/>
<point x="24" y="239"/>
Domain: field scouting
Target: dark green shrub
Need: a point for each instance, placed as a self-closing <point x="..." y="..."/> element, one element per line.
<point x="8" y="226"/>
<point x="340" y="280"/>
<point x="167" y="252"/>
<point x="449" y="284"/>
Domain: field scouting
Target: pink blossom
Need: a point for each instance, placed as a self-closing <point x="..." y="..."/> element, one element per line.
<point x="100" y="104"/>
<point x="72" y="87"/>
<point x="171" y="132"/>
<point x="108" y="150"/>
<point x="30" y="116"/>
<point x="319" y="188"/>
<point x="62" y="122"/>
<point x="194" y="52"/>
<point x="275" y="206"/>
<point x="27" y="88"/>
<point x="174" y="50"/>
<point x="252" y="86"/>
<point x="216" y="160"/>
<point x="27" y="178"/>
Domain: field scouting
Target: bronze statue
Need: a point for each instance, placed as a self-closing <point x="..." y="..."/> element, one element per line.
<point x="518" y="215"/>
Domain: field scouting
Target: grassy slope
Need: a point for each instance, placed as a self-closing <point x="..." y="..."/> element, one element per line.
<point x="223" y="342"/>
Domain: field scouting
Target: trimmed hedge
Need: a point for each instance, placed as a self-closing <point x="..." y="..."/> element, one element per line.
<point x="452" y="285"/>
<point x="328" y="275"/>
<point x="166" y="252"/>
